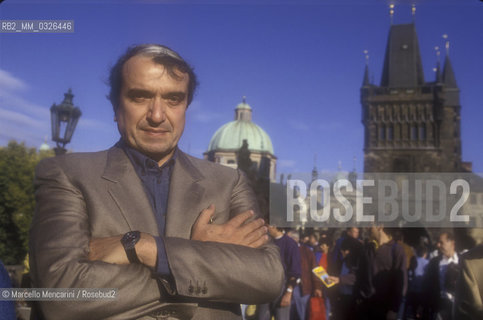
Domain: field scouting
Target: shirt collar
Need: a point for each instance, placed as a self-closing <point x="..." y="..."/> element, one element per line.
<point x="453" y="259"/>
<point x="142" y="162"/>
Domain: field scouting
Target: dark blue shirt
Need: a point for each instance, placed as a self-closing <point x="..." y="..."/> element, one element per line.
<point x="291" y="260"/>
<point x="156" y="182"/>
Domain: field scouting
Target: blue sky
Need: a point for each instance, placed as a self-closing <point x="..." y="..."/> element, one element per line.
<point x="299" y="63"/>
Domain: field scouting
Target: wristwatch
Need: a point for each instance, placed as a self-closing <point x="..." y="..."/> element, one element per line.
<point x="128" y="241"/>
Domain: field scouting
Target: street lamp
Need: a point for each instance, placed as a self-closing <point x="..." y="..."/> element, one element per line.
<point x="64" y="119"/>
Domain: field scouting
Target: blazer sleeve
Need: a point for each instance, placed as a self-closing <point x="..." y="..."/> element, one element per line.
<point x="59" y="244"/>
<point x="468" y="298"/>
<point x="225" y="272"/>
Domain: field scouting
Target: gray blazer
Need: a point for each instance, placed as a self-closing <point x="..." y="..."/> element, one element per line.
<point x="84" y="195"/>
<point x="469" y="289"/>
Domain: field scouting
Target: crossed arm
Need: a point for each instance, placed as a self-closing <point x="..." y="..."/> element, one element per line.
<point x="236" y="231"/>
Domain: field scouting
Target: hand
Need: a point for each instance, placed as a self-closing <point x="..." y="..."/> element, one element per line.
<point x="335" y="280"/>
<point x="286" y="299"/>
<point x="236" y="231"/>
<point x="110" y="250"/>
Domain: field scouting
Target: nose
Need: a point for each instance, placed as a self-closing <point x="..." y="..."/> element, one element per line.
<point x="157" y="111"/>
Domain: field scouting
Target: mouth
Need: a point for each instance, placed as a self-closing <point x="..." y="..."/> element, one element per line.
<point x="155" y="131"/>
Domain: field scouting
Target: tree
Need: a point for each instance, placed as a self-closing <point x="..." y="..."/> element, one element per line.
<point x="17" y="202"/>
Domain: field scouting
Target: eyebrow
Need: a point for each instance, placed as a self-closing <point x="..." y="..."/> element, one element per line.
<point x="149" y="93"/>
<point x="175" y="93"/>
<point x="141" y="92"/>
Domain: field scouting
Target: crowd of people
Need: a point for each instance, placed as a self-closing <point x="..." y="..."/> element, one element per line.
<point x="372" y="274"/>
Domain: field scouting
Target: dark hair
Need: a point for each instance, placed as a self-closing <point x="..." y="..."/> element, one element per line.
<point x="325" y="240"/>
<point x="160" y="54"/>
<point x="449" y="235"/>
<point x="421" y="250"/>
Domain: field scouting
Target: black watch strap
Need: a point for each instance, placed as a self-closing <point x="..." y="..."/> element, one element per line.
<point x="129" y="241"/>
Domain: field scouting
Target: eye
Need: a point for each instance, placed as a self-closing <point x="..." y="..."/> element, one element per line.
<point x="139" y="96"/>
<point x="175" y="98"/>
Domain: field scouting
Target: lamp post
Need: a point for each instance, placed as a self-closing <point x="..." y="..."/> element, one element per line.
<point x="64" y="119"/>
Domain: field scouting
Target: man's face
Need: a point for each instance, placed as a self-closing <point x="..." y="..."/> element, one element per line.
<point x="445" y="246"/>
<point x="272" y="231"/>
<point x="313" y="240"/>
<point x="353" y="232"/>
<point x="374" y="233"/>
<point x="151" y="113"/>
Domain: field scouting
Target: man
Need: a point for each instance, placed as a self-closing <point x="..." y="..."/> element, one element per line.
<point x="345" y="302"/>
<point x="441" y="277"/>
<point x="381" y="279"/>
<point x="280" y="308"/>
<point x="415" y="295"/>
<point x="309" y="284"/>
<point x="336" y="257"/>
<point x="175" y="235"/>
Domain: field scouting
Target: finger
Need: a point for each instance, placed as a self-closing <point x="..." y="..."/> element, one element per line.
<point x="205" y="215"/>
<point x="255" y="235"/>
<point x="251" y="226"/>
<point x="240" y="219"/>
<point x="260" y="242"/>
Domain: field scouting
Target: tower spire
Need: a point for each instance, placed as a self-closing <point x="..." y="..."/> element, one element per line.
<point x="437" y="70"/>
<point x="315" y="174"/>
<point x="402" y="61"/>
<point x="391" y="12"/>
<point x="446" y="44"/>
<point x="365" y="80"/>
<point x="413" y="12"/>
<point x="449" y="78"/>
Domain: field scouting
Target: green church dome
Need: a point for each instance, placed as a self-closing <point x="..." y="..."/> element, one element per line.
<point x="231" y="135"/>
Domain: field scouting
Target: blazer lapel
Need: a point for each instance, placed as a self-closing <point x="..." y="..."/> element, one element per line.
<point x="127" y="191"/>
<point x="185" y="198"/>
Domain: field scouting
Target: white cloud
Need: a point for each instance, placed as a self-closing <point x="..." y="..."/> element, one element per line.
<point x="14" y="102"/>
<point x="13" y="131"/>
<point x="21" y="120"/>
<point x="8" y="81"/>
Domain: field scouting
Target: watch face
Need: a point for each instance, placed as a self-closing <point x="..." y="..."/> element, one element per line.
<point x="130" y="239"/>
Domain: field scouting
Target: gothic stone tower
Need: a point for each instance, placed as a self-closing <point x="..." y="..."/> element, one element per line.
<point x="410" y="125"/>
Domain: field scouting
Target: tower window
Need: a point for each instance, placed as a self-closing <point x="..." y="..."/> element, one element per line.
<point x="382" y="133"/>
<point x="414" y="132"/>
<point x="390" y="133"/>
<point x="422" y="132"/>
